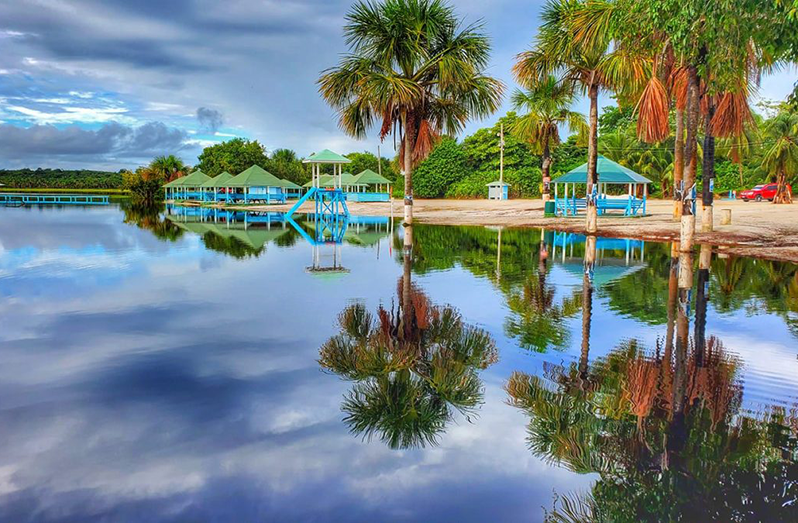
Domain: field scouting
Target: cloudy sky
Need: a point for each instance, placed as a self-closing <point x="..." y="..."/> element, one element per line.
<point x="111" y="83"/>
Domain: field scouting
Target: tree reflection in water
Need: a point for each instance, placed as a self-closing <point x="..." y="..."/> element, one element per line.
<point x="150" y="217"/>
<point x="663" y="429"/>
<point x="536" y="321"/>
<point x="414" y="365"/>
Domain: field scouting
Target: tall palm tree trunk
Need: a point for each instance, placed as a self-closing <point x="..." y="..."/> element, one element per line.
<point x="682" y="333"/>
<point x="678" y="164"/>
<point x="690" y="160"/>
<point x="673" y="293"/>
<point x="782" y="193"/>
<point x="708" y="170"/>
<point x="592" y="159"/>
<point x="587" y="304"/>
<point x="409" y="143"/>
<point x="546" y="169"/>
<point x="701" y="301"/>
<point x="407" y="286"/>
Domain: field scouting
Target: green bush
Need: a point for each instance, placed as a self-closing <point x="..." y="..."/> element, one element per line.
<point x="521" y="165"/>
<point x="523" y="183"/>
<point x="446" y="165"/>
<point x="146" y="187"/>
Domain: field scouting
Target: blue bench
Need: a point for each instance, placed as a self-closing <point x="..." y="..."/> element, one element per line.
<point x="572" y="206"/>
<point x="569" y="207"/>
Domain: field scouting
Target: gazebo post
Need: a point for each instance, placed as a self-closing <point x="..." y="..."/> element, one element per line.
<point x="566" y="199"/>
<point x="645" y="197"/>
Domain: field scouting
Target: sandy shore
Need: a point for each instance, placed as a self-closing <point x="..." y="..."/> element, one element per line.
<point x="761" y="229"/>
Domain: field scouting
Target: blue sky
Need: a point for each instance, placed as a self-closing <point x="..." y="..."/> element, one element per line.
<point x="109" y="84"/>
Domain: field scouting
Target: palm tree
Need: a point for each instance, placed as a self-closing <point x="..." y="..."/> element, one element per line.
<point x="415" y="69"/>
<point x="168" y="167"/>
<point x="548" y="107"/>
<point x="782" y="157"/>
<point x="587" y="64"/>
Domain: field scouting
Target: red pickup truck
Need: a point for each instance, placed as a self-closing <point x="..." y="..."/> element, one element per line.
<point x="762" y="192"/>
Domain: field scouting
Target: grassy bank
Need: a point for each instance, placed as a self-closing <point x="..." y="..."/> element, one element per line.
<point x="43" y="190"/>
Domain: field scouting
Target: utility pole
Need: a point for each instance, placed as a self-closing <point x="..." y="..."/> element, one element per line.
<point x="379" y="161"/>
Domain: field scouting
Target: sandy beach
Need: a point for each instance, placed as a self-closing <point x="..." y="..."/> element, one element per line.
<point x="758" y="229"/>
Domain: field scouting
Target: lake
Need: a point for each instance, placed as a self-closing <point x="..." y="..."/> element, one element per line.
<point x="197" y="366"/>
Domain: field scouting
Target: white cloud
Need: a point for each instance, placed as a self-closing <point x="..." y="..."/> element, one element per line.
<point x="70" y="115"/>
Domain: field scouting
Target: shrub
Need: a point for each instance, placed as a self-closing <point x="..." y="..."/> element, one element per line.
<point x="145" y="186"/>
<point x="446" y="165"/>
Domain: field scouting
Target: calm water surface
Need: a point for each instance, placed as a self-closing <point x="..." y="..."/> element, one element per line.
<point x="164" y="367"/>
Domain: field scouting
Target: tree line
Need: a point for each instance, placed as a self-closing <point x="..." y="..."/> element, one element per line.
<point x="60" y="179"/>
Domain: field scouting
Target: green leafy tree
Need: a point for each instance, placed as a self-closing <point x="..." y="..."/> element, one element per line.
<point x="548" y="107"/>
<point x="446" y="165"/>
<point x="521" y="164"/>
<point x="613" y="118"/>
<point x="414" y="68"/>
<point x="569" y="155"/>
<point x="144" y="185"/>
<point x="233" y="156"/>
<point x="366" y="160"/>
<point x="285" y="165"/>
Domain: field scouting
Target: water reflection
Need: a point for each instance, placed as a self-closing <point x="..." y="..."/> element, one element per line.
<point x="236" y="233"/>
<point x="413" y="365"/>
<point x="146" y="376"/>
<point x="150" y="217"/>
<point x="663" y="429"/>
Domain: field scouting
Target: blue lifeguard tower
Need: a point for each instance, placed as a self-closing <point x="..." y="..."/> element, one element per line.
<point x="330" y="199"/>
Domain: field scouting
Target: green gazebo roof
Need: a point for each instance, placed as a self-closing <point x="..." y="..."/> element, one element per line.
<point x="369" y="177"/>
<point x="253" y="237"/>
<point x="176" y="182"/>
<point x="288" y="184"/>
<point x="218" y="181"/>
<point x="326" y="180"/>
<point x="195" y="179"/>
<point x="608" y="172"/>
<point x="255" y="176"/>
<point x="326" y="156"/>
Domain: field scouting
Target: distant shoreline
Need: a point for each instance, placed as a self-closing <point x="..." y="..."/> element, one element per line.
<point x="61" y="190"/>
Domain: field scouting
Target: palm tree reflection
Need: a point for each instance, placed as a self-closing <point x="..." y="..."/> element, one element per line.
<point x="663" y="429"/>
<point x="536" y="321"/>
<point x="413" y="366"/>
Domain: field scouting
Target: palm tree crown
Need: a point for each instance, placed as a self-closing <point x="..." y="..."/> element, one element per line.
<point x="167" y="168"/>
<point x="412" y="67"/>
<point x="548" y="106"/>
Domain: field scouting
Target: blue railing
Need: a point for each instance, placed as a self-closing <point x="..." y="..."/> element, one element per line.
<point x="368" y="196"/>
<point x="52" y="199"/>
